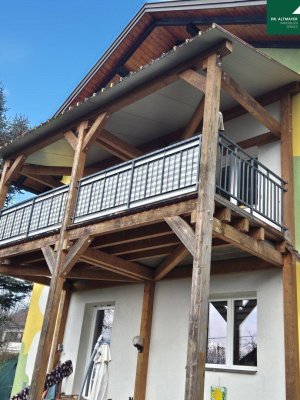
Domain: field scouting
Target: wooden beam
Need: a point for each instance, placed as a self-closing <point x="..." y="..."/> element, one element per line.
<point x="50" y="258"/>
<point x="223" y="267"/>
<point x="195" y="121"/>
<point x="45" y="180"/>
<point x="183" y="231"/>
<point x="264" y="100"/>
<point x="133" y="235"/>
<point x="31" y="170"/>
<point x="117" y="147"/>
<point x="259" y="140"/>
<point x="146" y="244"/>
<point x="85" y="272"/>
<point x="21" y="270"/>
<point x="223" y="214"/>
<point x="71" y="138"/>
<point x="198" y="316"/>
<point x="247" y="243"/>
<point x="94" y="131"/>
<point x="74" y="254"/>
<point x="117" y="264"/>
<point x="149" y="254"/>
<point x="242" y="224"/>
<point x="123" y="223"/>
<point x="145" y="333"/>
<point x="258" y="233"/>
<point x="250" y="104"/>
<point x="194" y="79"/>
<point x="3" y="186"/>
<point x="178" y="255"/>
<point x="15" y="168"/>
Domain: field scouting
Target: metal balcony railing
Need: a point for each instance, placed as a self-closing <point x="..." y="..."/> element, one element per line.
<point x="243" y="180"/>
<point x="161" y="175"/>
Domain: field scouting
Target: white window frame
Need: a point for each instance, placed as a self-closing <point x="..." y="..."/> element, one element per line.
<point x="230" y="366"/>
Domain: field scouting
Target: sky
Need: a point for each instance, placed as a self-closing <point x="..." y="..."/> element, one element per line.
<point x="48" y="46"/>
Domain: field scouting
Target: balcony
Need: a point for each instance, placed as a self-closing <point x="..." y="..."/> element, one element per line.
<point x="156" y="177"/>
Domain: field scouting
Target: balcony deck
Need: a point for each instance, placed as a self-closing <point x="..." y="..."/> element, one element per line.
<point x="154" y="178"/>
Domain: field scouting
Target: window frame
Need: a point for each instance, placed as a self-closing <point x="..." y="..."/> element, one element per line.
<point x="229" y="365"/>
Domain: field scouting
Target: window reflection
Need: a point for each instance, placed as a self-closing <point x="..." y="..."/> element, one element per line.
<point x="217" y="333"/>
<point x="245" y="332"/>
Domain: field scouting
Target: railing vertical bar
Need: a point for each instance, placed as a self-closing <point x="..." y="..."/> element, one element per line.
<point x="162" y="172"/>
<point x="30" y="217"/>
<point x="50" y="209"/>
<point x="116" y="190"/>
<point x="252" y="188"/>
<point x="179" y="169"/>
<point x="90" y="197"/>
<point x="131" y="182"/>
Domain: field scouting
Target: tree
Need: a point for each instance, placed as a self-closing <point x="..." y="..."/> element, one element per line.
<point x="10" y="129"/>
<point x="12" y="291"/>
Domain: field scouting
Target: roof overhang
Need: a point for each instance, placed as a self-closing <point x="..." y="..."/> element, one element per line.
<point x="150" y="116"/>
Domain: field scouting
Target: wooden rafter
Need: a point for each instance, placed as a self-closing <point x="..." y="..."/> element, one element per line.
<point x="264" y="100"/>
<point x="139" y="245"/>
<point x="14" y="169"/>
<point x="117" y="147"/>
<point x="117" y="265"/>
<point x="250" y="104"/>
<point x="133" y="235"/>
<point x="45" y="180"/>
<point x="246" y="243"/>
<point x="50" y="257"/>
<point x="94" y="130"/>
<point x="74" y="254"/>
<point x="44" y="170"/>
<point x="194" y="79"/>
<point x="178" y="255"/>
<point x="195" y="121"/>
<point x="71" y="138"/>
<point x="183" y="231"/>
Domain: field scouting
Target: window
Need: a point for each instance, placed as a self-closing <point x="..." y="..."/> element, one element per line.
<point x="232" y="333"/>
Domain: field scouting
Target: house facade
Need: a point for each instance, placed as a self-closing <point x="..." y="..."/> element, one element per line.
<point x="171" y="228"/>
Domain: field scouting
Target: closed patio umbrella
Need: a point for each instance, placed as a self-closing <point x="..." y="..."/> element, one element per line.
<point x="99" y="378"/>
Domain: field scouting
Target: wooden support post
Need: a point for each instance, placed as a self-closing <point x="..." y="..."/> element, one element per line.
<point x="61" y="320"/>
<point x="57" y="281"/>
<point x="3" y="185"/>
<point x="145" y="333"/>
<point x="197" y="337"/>
<point x="291" y="334"/>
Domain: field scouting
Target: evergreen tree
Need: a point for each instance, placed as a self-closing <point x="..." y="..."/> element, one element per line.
<point x="12" y="291"/>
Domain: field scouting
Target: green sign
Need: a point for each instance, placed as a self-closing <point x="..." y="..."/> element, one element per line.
<point x="283" y="17"/>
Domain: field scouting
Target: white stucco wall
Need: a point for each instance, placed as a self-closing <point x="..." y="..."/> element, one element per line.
<point x="166" y="375"/>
